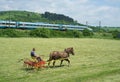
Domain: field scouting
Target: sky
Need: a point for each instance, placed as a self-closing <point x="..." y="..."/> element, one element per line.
<point x="91" y="11"/>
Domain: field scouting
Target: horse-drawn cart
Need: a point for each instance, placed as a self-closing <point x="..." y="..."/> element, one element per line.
<point x="55" y="55"/>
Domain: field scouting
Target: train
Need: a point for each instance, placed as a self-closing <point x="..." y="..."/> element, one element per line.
<point x="34" y="25"/>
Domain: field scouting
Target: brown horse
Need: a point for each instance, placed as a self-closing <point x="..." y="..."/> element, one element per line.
<point x="57" y="55"/>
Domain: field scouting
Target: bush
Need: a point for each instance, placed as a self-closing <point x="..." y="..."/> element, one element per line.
<point x="13" y="33"/>
<point x="77" y="34"/>
<point x="73" y="33"/>
<point x="116" y="34"/>
<point x="87" y="32"/>
<point x="9" y="33"/>
<point x="40" y="32"/>
<point x="1" y="32"/>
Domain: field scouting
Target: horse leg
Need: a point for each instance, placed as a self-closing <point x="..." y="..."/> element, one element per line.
<point x="61" y="62"/>
<point x="68" y="61"/>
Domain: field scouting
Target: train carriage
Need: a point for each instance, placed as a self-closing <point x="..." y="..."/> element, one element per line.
<point x="6" y="24"/>
<point x="31" y="25"/>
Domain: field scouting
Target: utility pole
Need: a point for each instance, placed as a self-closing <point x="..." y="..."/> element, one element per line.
<point x="86" y="23"/>
<point x="99" y="25"/>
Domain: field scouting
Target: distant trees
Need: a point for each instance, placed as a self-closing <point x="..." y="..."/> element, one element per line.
<point x="27" y="16"/>
<point x="56" y="17"/>
<point x="116" y="34"/>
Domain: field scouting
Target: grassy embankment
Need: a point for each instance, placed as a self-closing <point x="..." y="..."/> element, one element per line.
<point x="95" y="60"/>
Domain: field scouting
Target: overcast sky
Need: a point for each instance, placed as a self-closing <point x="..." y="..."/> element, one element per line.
<point x="93" y="11"/>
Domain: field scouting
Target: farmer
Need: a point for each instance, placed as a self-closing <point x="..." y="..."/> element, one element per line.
<point x="34" y="56"/>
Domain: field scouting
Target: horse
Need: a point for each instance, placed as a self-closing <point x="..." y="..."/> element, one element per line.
<point x="60" y="55"/>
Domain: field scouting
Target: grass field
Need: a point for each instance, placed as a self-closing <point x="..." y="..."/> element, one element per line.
<point x="95" y="60"/>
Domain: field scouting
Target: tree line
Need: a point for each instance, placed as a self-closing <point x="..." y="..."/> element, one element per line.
<point x="54" y="17"/>
<point x="44" y="33"/>
<point x="26" y="16"/>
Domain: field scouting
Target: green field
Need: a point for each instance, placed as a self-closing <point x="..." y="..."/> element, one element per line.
<point x="95" y="60"/>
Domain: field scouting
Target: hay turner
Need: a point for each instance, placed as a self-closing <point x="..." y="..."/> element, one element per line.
<point x="31" y="64"/>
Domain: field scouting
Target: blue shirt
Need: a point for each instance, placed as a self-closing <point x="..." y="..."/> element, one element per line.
<point x="32" y="53"/>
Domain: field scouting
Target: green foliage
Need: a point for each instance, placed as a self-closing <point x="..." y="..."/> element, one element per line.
<point x="73" y="33"/>
<point x="110" y="29"/>
<point x="58" y="18"/>
<point x="98" y="29"/>
<point x="46" y="33"/>
<point x="24" y="16"/>
<point x="40" y="32"/>
<point x="77" y="34"/>
<point x="13" y="33"/>
<point x="87" y="32"/>
<point x="116" y="34"/>
<point x="27" y="16"/>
